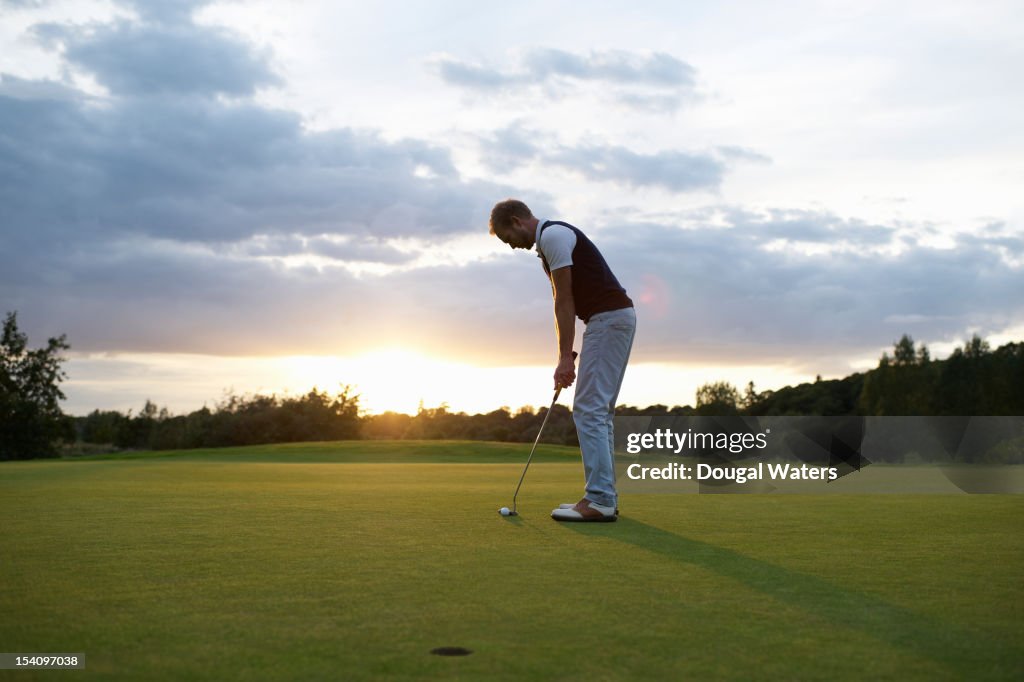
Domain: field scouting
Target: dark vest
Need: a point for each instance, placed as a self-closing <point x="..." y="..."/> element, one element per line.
<point x="594" y="287"/>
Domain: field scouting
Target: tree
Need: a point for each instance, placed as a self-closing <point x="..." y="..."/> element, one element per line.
<point x="902" y="385"/>
<point x="967" y="379"/>
<point x="751" y="397"/>
<point x="977" y="347"/>
<point x="31" y="421"/>
<point x="718" y="398"/>
<point x="903" y="351"/>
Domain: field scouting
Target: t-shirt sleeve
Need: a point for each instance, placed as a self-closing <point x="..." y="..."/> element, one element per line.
<point x="557" y="243"/>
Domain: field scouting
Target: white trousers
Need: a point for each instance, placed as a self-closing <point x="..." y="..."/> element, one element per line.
<point x="607" y="341"/>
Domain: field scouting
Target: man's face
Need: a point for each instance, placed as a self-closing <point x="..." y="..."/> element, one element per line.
<point x="516" y="235"/>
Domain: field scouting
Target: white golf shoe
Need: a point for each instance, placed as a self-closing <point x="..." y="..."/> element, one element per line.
<point x="570" y="505"/>
<point x="584" y="510"/>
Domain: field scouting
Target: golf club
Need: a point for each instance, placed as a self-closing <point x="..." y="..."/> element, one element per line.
<point x="505" y="511"/>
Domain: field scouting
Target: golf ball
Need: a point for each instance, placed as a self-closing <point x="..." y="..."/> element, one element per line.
<point x="504" y="511"/>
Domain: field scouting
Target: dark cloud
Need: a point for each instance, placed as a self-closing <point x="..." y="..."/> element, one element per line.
<point x="165" y="298"/>
<point x="728" y="291"/>
<point x="16" y="88"/>
<point x="712" y="293"/>
<point x="177" y="59"/>
<point x="655" y="82"/>
<point x="167" y="156"/>
<point x="801" y="227"/>
<point x="158" y="217"/>
<point x="198" y="169"/>
<point x="162" y="52"/>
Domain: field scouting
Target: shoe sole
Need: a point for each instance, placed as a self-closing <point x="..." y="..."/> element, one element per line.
<point x="603" y="519"/>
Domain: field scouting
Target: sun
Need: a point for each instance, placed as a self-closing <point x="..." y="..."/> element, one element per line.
<point x="392" y="379"/>
<point x="400" y="380"/>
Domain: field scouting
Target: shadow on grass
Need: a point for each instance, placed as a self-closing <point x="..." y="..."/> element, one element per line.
<point x="968" y="653"/>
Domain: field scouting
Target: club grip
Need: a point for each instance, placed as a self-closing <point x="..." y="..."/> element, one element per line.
<point x="559" y="389"/>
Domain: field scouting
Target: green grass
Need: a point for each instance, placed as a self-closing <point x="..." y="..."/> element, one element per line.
<point x="369" y="451"/>
<point x="352" y="561"/>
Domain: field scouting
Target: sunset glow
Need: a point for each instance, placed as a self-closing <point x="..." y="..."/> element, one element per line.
<point x="396" y="379"/>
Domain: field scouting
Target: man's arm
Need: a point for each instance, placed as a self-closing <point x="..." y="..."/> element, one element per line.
<point x="565" y="325"/>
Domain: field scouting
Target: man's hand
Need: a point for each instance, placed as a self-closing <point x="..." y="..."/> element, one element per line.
<point x="565" y="373"/>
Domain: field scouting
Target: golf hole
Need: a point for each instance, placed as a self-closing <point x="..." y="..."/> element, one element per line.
<point x="450" y="651"/>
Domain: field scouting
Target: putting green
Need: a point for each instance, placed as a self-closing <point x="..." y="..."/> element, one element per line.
<point x="316" y="562"/>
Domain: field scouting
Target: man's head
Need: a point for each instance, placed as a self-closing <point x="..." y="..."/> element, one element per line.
<point x="513" y="223"/>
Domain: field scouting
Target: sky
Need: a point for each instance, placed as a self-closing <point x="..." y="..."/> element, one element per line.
<point x="264" y="197"/>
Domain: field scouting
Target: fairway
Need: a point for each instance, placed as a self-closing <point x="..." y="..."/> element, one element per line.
<point x="352" y="561"/>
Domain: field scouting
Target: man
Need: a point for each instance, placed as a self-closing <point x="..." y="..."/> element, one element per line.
<point x="583" y="286"/>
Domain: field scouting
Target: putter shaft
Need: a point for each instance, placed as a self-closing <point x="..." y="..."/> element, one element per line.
<point x="534" y="448"/>
<point x="535" y="441"/>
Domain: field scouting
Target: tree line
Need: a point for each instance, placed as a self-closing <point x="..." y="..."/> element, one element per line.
<point x="316" y="416"/>
<point x="237" y="420"/>
<point x="974" y="380"/>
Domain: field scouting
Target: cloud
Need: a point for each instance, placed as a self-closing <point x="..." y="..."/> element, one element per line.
<point x="363" y="251"/>
<point x="656" y="81"/>
<point x="133" y="59"/>
<point x="15" y="88"/>
<point x="725" y="290"/>
<point x="199" y="169"/>
<point x="23" y="4"/>
<point x="167" y="297"/>
<point x="513" y="146"/>
<point x="166" y="11"/>
<point x="324" y="250"/>
<point x="168" y="217"/>
<point x="167" y="156"/>
<point x="162" y="214"/>
<point x="653" y="103"/>
<point x="784" y="229"/>
<point x="614" y="66"/>
<point x="473" y="76"/>
<point x="716" y="293"/>
<point x="674" y="170"/>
